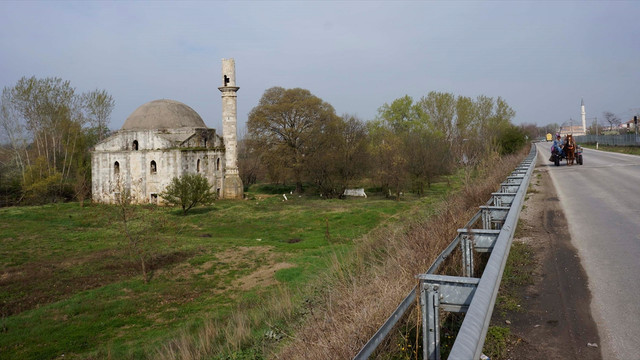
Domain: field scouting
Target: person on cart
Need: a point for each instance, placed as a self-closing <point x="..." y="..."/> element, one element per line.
<point x="557" y="146"/>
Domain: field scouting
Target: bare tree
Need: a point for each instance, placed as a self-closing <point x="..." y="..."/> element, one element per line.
<point x="98" y="105"/>
<point x="427" y="157"/>
<point x="13" y="132"/>
<point x="249" y="164"/>
<point x="46" y="124"/>
<point x="612" y="119"/>
<point x="343" y="156"/>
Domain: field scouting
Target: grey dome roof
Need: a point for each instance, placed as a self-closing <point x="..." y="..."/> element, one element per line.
<point x="163" y="114"/>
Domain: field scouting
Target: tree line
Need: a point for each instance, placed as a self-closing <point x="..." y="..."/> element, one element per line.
<point x="294" y="137"/>
<point x="46" y="131"/>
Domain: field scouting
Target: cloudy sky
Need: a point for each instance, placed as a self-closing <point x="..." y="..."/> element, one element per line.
<point x="542" y="57"/>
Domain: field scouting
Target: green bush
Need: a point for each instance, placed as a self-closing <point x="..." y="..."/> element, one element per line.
<point x="188" y="191"/>
<point x="511" y="140"/>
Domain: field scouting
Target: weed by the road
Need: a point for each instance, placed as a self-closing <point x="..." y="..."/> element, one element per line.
<point x="517" y="274"/>
<point x="495" y="346"/>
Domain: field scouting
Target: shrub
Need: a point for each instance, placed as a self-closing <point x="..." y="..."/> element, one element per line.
<point x="188" y="191"/>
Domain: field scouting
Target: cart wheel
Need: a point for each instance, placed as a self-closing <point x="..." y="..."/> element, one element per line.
<point x="580" y="159"/>
<point x="556" y="160"/>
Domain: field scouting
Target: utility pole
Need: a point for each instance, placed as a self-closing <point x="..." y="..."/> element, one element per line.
<point x="596" y="133"/>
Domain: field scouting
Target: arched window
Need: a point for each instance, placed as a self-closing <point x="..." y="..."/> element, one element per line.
<point x="218" y="164"/>
<point x="205" y="142"/>
<point x="153" y="167"/>
<point x="116" y="168"/>
<point x="198" y="166"/>
<point x="135" y="145"/>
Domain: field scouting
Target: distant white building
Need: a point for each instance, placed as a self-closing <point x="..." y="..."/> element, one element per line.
<point x="575" y="130"/>
<point x="163" y="139"/>
<point x="629" y="125"/>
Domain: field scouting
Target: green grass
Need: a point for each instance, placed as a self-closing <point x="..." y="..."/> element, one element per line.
<point x="633" y="150"/>
<point x="70" y="286"/>
<point x="496" y="342"/>
<point x="517" y="274"/>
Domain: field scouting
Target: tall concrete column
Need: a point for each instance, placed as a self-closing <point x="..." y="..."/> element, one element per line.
<point x="584" y="116"/>
<point x="232" y="187"/>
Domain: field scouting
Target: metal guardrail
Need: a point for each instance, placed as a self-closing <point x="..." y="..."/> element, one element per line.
<point x="475" y="296"/>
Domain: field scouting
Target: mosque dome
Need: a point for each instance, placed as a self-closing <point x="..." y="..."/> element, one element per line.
<point x="163" y="114"/>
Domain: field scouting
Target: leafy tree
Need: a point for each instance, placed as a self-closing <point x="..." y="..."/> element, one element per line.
<point x="440" y="109"/>
<point x="288" y="126"/>
<point x="401" y="115"/>
<point x="188" y="191"/>
<point x="511" y="140"/>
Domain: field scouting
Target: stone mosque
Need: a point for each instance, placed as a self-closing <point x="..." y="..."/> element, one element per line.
<point x="163" y="139"/>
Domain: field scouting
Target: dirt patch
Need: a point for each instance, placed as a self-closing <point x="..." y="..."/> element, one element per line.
<point x="39" y="283"/>
<point x="556" y="321"/>
<point x="243" y="253"/>
<point x="264" y="276"/>
<point x="254" y="266"/>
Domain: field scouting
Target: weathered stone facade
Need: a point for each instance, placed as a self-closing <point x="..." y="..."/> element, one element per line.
<point x="164" y="139"/>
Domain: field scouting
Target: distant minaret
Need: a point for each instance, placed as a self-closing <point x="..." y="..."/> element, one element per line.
<point x="584" y="114"/>
<point x="232" y="187"/>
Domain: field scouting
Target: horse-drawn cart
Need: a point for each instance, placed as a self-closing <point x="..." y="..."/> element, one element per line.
<point x="556" y="157"/>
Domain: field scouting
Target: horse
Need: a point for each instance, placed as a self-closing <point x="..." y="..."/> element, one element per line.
<point x="570" y="149"/>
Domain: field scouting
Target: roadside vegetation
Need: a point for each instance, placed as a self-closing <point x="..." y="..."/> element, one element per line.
<point x="518" y="274"/>
<point x="632" y="150"/>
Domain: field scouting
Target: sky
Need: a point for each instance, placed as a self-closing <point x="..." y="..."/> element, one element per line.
<point x="542" y="57"/>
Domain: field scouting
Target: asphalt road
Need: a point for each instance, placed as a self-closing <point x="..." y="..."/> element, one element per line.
<point x="601" y="201"/>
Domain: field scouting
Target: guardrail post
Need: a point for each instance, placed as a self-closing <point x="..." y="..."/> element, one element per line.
<point x="430" y="301"/>
<point x="509" y="188"/>
<point x="502" y="199"/>
<point x="441" y="292"/>
<point x="466" y="247"/>
<point x="493" y="216"/>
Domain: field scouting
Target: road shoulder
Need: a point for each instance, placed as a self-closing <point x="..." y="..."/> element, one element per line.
<point x="555" y="320"/>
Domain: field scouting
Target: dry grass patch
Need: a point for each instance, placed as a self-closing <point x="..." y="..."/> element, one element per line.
<point x="366" y="288"/>
<point x="263" y="277"/>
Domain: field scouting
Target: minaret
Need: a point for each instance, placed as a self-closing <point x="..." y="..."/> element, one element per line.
<point x="584" y="114"/>
<point x="232" y="187"/>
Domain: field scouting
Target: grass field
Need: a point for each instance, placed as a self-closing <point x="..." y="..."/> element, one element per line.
<point x="71" y="283"/>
